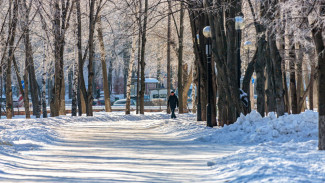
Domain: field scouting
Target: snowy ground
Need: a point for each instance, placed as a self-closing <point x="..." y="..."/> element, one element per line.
<point x="153" y="148"/>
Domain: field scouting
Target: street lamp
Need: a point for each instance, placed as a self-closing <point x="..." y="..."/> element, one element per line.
<point x="239" y="23"/>
<point x="207" y="34"/>
<point x="250" y="92"/>
<point x="198" y="112"/>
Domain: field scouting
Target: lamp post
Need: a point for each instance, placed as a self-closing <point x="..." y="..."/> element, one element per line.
<point x="207" y="34"/>
<point x="250" y="92"/>
<point x="198" y="112"/>
<point x="239" y="22"/>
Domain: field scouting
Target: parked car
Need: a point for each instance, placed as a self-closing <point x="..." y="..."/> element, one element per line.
<point x="101" y="101"/>
<point x="122" y="102"/>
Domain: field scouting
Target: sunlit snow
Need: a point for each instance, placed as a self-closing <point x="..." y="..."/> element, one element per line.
<point x="112" y="147"/>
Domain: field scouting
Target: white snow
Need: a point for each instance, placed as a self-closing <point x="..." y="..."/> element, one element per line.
<point x="112" y="147"/>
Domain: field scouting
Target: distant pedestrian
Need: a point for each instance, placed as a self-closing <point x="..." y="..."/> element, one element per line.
<point x="172" y="103"/>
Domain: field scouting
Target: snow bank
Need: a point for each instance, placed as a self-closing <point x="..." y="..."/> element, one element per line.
<point x="274" y="149"/>
<point x="273" y="162"/>
<point x="252" y="128"/>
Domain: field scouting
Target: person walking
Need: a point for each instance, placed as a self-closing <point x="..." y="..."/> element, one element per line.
<point x="172" y="103"/>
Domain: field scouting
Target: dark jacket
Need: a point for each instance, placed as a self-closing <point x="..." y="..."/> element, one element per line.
<point x="172" y="101"/>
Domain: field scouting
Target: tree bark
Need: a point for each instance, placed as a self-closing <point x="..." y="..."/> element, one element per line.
<point x="223" y="52"/>
<point x="129" y="79"/>
<point x="282" y="52"/>
<point x="293" y="90"/>
<point x="11" y="35"/>
<point x="187" y="85"/>
<point x="104" y="67"/>
<point x="300" y="89"/>
<point x="277" y="71"/>
<point x="194" y="88"/>
<point x="260" y="78"/>
<point x="81" y="80"/>
<point x="58" y="74"/>
<point x="143" y="47"/>
<point x="74" y="87"/>
<point x="180" y="59"/>
<point x="44" y="109"/>
<point x="247" y="82"/>
<point x="92" y="23"/>
<point x="168" y="50"/>
<point x="318" y="39"/>
<point x="23" y="90"/>
<point x="30" y="61"/>
<point x="311" y="80"/>
<point x="270" y="92"/>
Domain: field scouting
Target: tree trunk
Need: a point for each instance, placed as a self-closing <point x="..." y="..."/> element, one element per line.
<point x="23" y="93"/>
<point x="293" y="90"/>
<point x="319" y="43"/>
<point x="92" y="24"/>
<point x="81" y="80"/>
<point x="143" y="47"/>
<point x="251" y="96"/>
<point x="62" y="95"/>
<point x="247" y="82"/>
<point x="70" y="76"/>
<point x="83" y="103"/>
<point x="104" y="67"/>
<point x="74" y="87"/>
<point x="139" y="67"/>
<point x="187" y="85"/>
<point x="44" y="86"/>
<point x="32" y="80"/>
<point x="30" y="62"/>
<point x="139" y="57"/>
<point x="129" y="79"/>
<point x="270" y="92"/>
<point x="282" y="52"/>
<point x="311" y="80"/>
<point x="278" y="82"/>
<point x="168" y="50"/>
<point x="260" y="78"/>
<point x="58" y="78"/>
<point x="75" y="93"/>
<point x="180" y="59"/>
<point x="193" y="96"/>
<point x="223" y="53"/>
<point x="300" y="89"/>
<point x="12" y="35"/>
<point x="222" y="111"/>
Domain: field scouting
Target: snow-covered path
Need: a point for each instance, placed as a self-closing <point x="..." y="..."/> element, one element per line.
<point x="112" y="151"/>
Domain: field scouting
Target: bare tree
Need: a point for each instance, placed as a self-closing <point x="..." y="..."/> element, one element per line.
<point x="13" y="7"/>
<point x="143" y="47"/>
<point x="103" y="62"/>
<point x="168" y="50"/>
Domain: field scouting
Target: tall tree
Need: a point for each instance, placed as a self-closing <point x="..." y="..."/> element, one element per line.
<point x="61" y="18"/>
<point x="180" y="58"/>
<point x="30" y="61"/>
<point x="143" y="47"/>
<point x="168" y="49"/>
<point x="317" y="33"/>
<point x="129" y="79"/>
<point x="92" y="24"/>
<point x="13" y="6"/>
<point x="104" y="67"/>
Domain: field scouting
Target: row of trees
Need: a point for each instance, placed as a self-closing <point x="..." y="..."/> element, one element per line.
<point x="288" y="45"/>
